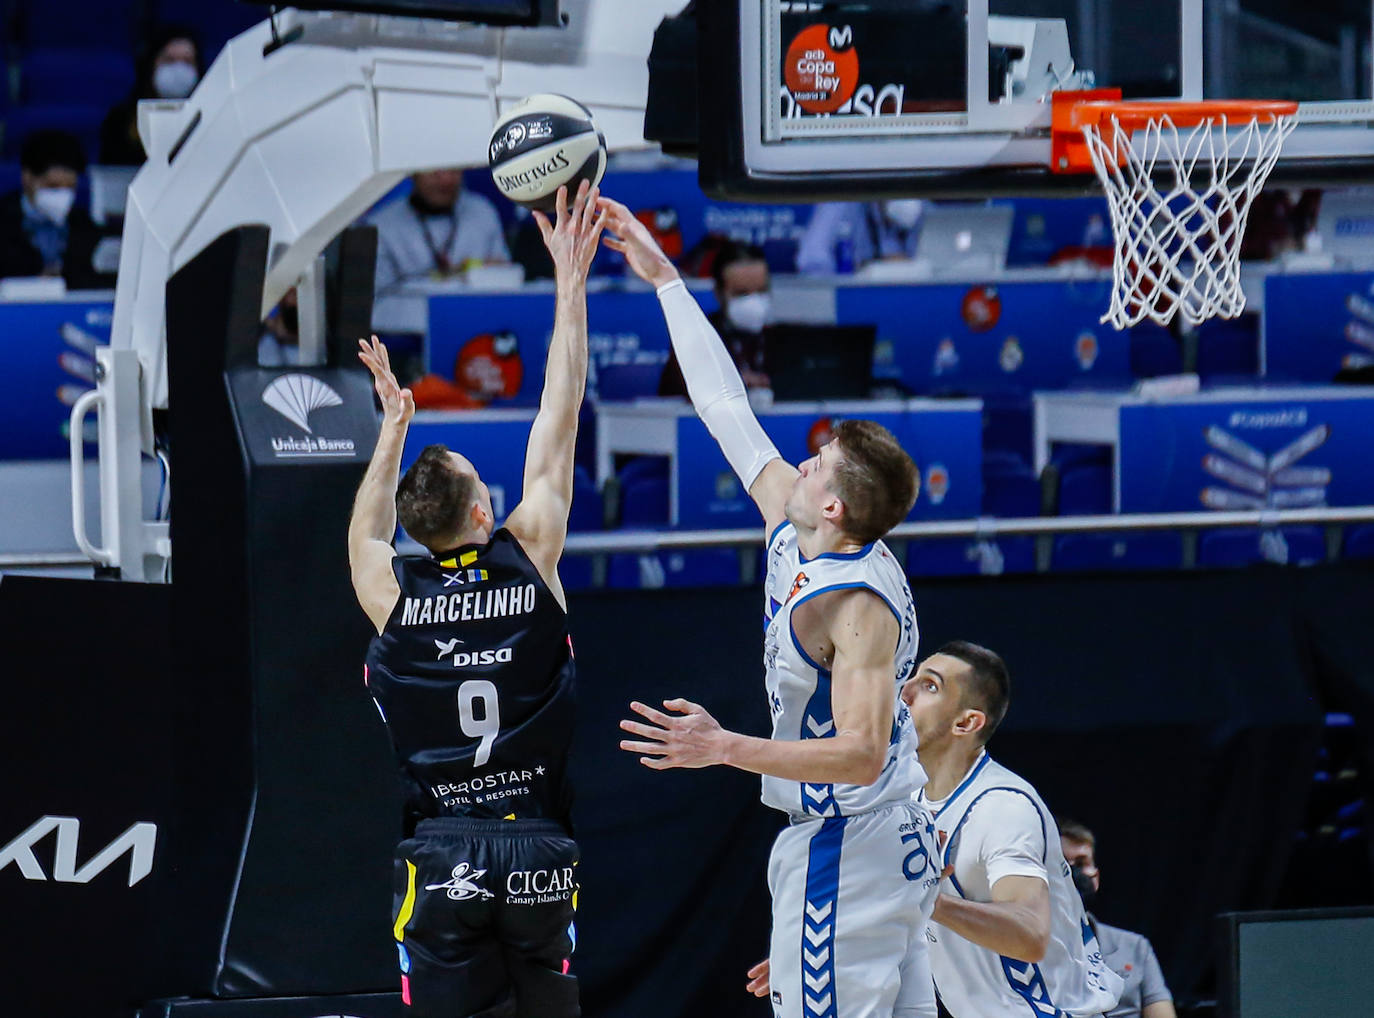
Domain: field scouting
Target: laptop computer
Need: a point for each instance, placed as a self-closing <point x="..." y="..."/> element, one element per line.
<point x="810" y="362"/>
<point x="963" y="240"/>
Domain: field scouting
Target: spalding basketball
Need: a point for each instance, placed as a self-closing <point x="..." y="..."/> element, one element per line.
<point x="542" y="142"/>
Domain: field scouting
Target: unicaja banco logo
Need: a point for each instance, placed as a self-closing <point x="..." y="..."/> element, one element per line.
<point x="295" y="397"/>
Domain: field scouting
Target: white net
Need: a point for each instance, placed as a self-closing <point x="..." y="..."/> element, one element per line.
<point x="1179" y="198"/>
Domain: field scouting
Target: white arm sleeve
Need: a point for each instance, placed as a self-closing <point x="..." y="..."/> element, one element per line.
<point x="714" y="384"/>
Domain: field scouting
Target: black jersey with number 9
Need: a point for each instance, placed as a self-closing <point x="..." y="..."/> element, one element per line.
<point x="473" y="675"/>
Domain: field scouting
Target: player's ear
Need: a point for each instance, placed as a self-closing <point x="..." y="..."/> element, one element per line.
<point x="478" y="518"/>
<point x="833" y="510"/>
<point x="970" y="722"/>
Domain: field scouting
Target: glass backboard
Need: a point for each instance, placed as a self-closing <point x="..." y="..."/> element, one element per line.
<point x="872" y="98"/>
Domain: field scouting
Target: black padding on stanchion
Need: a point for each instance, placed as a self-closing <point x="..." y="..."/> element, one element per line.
<point x="267" y="629"/>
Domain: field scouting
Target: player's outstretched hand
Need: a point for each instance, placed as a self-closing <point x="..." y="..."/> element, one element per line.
<point x="688" y="738"/>
<point x="758" y="979"/>
<point x="398" y="405"/>
<point x="574" y="234"/>
<point x="633" y="240"/>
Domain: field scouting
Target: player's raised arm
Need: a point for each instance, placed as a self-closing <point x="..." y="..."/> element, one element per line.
<point x="713" y="381"/>
<point x="372" y="526"/>
<point x="540" y="521"/>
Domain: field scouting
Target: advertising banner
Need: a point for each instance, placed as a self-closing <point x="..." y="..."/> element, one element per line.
<point x="944" y="441"/>
<point x="495" y="346"/>
<point x="49" y="363"/>
<point x="1315" y="325"/>
<point x="1246" y="455"/>
<point x="1008" y="337"/>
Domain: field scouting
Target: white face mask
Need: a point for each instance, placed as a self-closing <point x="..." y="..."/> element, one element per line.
<point x="903" y="213"/>
<point x="748" y="313"/>
<point x="55" y="202"/>
<point x="175" y="80"/>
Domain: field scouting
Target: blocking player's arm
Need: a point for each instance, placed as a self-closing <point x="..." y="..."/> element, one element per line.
<point x="372" y="526"/>
<point x="540" y="521"/>
<point x="713" y="381"/>
<point x="1016" y="923"/>
<point x="1004" y="836"/>
<point x="864" y="633"/>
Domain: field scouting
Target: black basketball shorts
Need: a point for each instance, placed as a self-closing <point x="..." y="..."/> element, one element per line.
<point x="482" y="913"/>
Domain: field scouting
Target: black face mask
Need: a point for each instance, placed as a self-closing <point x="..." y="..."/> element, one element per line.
<point x="1084" y="883"/>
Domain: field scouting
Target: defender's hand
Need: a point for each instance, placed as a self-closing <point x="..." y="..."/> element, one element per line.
<point x="633" y="240"/>
<point x="758" y="979"/>
<point x="398" y="405"/>
<point x="692" y="738"/>
<point x="573" y="237"/>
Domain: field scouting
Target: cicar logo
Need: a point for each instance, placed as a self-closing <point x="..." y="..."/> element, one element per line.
<point x="139" y="842"/>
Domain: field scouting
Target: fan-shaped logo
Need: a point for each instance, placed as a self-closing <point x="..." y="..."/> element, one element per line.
<point x="296" y="396"/>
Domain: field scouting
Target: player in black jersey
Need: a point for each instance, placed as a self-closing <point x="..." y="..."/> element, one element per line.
<point x="472" y="670"/>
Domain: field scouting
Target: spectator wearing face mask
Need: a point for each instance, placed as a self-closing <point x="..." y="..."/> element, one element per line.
<point x="844" y="236"/>
<point x="1128" y="954"/>
<point x="169" y="69"/>
<point x="742" y="282"/>
<point x="42" y="230"/>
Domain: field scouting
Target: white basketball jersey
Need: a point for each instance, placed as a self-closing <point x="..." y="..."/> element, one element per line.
<point x="799" y="688"/>
<point x="1071" y="980"/>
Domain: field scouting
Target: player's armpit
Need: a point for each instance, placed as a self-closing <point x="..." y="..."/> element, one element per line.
<point x="864" y="633"/>
<point x="374" y="582"/>
<point x="540" y="524"/>
<point x="771" y="489"/>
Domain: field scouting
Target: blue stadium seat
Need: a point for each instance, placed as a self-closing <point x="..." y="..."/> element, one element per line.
<point x="999" y="462"/>
<point x="1154" y="550"/>
<point x="1303" y="546"/>
<point x="1085" y="490"/>
<point x="644" y="502"/>
<point x="107" y="23"/>
<point x="643" y="467"/>
<point x="1011" y="495"/>
<point x="81" y="120"/>
<point x="964" y="557"/>
<point x="1066" y="455"/>
<point x="1154" y="351"/>
<point x="703" y="567"/>
<point x="1358" y="542"/>
<point x="99" y="77"/>
<point x="1228" y="348"/>
<point x="587" y="512"/>
<point x="1007" y="424"/>
<point x="576" y="572"/>
<point x="10" y="178"/>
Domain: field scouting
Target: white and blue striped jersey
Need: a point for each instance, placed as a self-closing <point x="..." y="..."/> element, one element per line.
<point x="994" y="824"/>
<point x="799" y="688"/>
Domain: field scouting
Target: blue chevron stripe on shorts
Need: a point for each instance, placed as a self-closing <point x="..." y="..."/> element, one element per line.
<point x="818" y="924"/>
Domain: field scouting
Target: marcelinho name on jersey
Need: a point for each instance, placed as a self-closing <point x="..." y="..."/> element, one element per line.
<point x="468" y="605"/>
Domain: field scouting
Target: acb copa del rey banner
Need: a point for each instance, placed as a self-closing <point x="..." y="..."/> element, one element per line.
<point x="855" y="61"/>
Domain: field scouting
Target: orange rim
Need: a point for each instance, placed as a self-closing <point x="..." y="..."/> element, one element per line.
<point x="1134" y="115"/>
<point x="1075" y="111"/>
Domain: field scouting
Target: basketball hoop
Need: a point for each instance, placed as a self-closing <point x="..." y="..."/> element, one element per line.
<point x="1179" y="193"/>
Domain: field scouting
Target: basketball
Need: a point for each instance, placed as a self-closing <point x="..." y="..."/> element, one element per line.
<point x="541" y="143"/>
